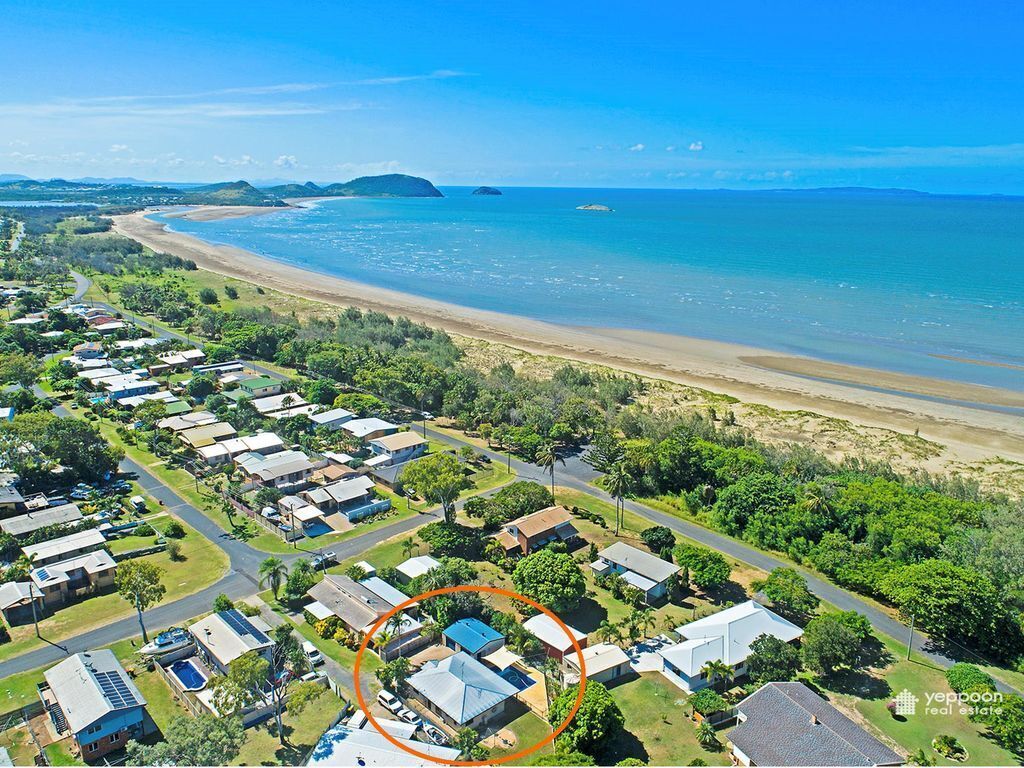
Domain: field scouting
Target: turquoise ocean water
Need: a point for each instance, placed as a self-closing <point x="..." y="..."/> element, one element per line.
<point x="882" y="280"/>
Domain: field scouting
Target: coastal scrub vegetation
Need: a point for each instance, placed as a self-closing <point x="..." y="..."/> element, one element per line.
<point x="938" y="549"/>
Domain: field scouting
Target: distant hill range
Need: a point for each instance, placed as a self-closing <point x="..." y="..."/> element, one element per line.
<point x="226" y="193"/>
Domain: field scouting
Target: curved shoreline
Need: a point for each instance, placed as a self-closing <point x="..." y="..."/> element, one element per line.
<point x="749" y="374"/>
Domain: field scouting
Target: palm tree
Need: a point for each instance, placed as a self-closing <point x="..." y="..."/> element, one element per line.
<point x="609" y="632"/>
<point x="644" y="619"/>
<point x="707" y="737"/>
<point x="547" y="457"/>
<point x="618" y="481"/>
<point x="272" y="573"/>
<point x="394" y="626"/>
<point x="382" y="639"/>
<point x="717" y="670"/>
<point x="409" y="546"/>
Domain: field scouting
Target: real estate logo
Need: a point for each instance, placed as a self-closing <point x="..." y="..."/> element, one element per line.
<point x="906" y="703"/>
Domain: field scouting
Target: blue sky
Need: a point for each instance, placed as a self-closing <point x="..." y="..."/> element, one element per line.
<point x="741" y="94"/>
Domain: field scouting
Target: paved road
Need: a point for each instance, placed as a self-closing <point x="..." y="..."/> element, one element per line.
<point x="570" y="477"/>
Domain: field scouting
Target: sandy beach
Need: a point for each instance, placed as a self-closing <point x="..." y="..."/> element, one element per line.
<point x="877" y="399"/>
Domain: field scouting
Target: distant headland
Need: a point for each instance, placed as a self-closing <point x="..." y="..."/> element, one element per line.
<point x="593" y="207"/>
<point x="486" y="191"/>
<point x="225" y="193"/>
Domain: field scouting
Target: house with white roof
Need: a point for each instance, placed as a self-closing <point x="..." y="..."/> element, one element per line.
<point x="24" y="525"/>
<point x="345" y="745"/>
<point x="284" y="469"/>
<point x="396" y="449"/>
<point x="127" y="385"/>
<point x="724" y="636"/>
<point x="368" y="429"/>
<point x="264" y="443"/>
<point x="66" y="580"/>
<point x="224" y="636"/>
<point x="648" y="573"/>
<point x="72" y="545"/>
<point x="16" y="598"/>
<point x="461" y="690"/>
<point x="331" y="419"/>
<point x="186" y="421"/>
<point x="416" y="566"/>
<point x="267" y="405"/>
<point x="604" y="663"/>
<point x="92" y="699"/>
<point x="552" y="637"/>
<point x="353" y="497"/>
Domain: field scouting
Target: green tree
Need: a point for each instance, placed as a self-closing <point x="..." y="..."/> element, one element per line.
<point x="451" y="539"/>
<point x="561" y="757"/>
<point x="618" y="481"/>
<point x="222" y="603"/>
<point x="192" y="741"/>
<point x="300" y="579"/>
<point x="467" y="741"/>
<point x="138" y="582"/>
<point x="707" y="702"/>
<point x="18" y="368"/>
<point x="772" y="660"/>
<point x="272" y="573"/>
<point x="828" y="645"/>
<point x="707" y="737"/>
<point x="548" y="456"/>
<point x="242" y="686"/>
<point x="393" y="674"/>
<point x="597" y="721"/>
<point x="707" y="568"/>
<point x="658" y="538"/>
<point x="201" y="386"/>
<point x="553" y="579"/>
<point x="208" y="296"/>
<point x="787" y="590"/>
<point x="717" y="672"/>
<point x="439" y="478"/>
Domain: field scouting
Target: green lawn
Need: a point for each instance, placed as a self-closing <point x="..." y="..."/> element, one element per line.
<point x="529" y="729"/>
<point x="301" y="731"/>
<point x="59" y="753"/>
<point x="658" y="729"/>
<point x="203" y="564"/>
<point x="868" y="693"/>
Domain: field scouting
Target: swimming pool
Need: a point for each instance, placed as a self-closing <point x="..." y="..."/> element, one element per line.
<point x="188" y="674"/>
<point x="518" y="679"/>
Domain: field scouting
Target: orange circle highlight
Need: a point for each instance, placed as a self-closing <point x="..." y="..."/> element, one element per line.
<point x="470" y="588"/>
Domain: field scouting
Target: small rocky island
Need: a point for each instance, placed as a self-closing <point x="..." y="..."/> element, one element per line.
<point x="486" y="191"/>
<point x="593" y="207"/>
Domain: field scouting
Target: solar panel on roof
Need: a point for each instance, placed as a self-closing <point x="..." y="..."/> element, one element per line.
<point x="43" y="574"/>
<point x="243" y="626"/>
<point x="115" y="690"/>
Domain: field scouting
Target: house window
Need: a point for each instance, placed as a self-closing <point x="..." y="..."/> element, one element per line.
<point x="93" y="746"/>
<point x="114" y="737"/>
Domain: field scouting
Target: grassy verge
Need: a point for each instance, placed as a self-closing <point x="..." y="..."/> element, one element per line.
<point x="301" y="732"/>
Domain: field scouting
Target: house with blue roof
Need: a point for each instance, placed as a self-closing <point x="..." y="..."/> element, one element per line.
<point x="462" y="691"/>
<point x="473" y="637"/>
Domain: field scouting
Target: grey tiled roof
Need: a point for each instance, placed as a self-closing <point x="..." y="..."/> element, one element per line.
<point x="789" y="724"/>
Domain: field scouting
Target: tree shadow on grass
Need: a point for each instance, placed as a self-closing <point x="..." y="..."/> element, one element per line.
<point x="621" y="745"/>
<point x="728" y="592"/>
<point x="587" y="617"/>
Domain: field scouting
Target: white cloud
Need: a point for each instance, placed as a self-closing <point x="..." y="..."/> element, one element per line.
<point x="437" y="74"/>
<point x="286" y="161"/>
<point x="637" y="148"/>
<point x="670" y="148"/>
<point x="696" y="146"/>
<point x="120" y="148"/>
<point x="242" y="161"/>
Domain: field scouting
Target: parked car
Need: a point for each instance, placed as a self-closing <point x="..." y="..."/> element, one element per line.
<point x="312" y="653"/>
<point x="435" y="735"/>
<point x="389" y="701"/>
<point x="409" y="716"/>
<point x="324" y="559"/>
<point x="138" y="503"/>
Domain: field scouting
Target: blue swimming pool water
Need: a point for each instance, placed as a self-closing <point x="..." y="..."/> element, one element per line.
<point x="189" y="675"/>
<point x="517" y="678"/>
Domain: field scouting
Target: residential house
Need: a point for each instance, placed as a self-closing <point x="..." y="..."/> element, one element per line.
<point x="16" y="598"/>
<point x="533" y="531"/>
<point x="648" y="573"/>
<point x="604" y="663"/>
<point x="127" y="385"/>
<point x="90" y="697"/>
<point x="361" y="604"/>
<point x="416" y="566"/>
<point x="64" y="581"/>
<point x="396" y="449"/>
<point x="219" y="369"/>
<point x="88" y="350"/>
<point x="552" y="637"/>
<point x="724" y="636"/>
<point x="185" y="421"/>
<point x="272" y="403"/>
<point x="72" y="545"/>
<point x="7" y="413"/>
<point x="282" y="470"/>
<point x="207" y="434"/>
<point x="473" y="637"/>
<point x="463" y="691"/>
<point x="353" y="497"/>
<point x="96" y="375"/>
<point x="366" y="747"/>
<point x="369" y="429"/>
<point x="264" y="443"/>
<point x="789" y="724"/>
<point x="11" y="500"/>
<point x="25" y="525"/>
<point x="224" y="636"/>
<point x="259" y="386"/>
<point x="292" y="411"/>
<point x="332" y="419"/>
